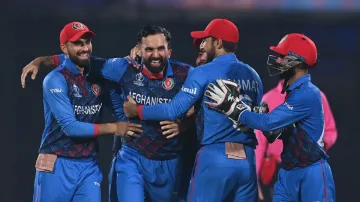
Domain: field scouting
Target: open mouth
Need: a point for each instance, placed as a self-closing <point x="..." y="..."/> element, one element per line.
<point x="155" y="63"/>
<point x="84" y="55"/>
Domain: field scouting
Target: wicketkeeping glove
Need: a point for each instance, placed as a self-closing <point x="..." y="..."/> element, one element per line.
<point x="225" y="99"/>
<point x="262" y="109"/>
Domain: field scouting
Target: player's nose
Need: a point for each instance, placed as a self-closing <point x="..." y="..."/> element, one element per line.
<point x="155" y="53"/>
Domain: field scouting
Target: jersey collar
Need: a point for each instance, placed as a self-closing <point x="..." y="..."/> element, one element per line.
<point x="225" y="57"/>
<point x="301" y="80"/>
<point x="168" y="72"/>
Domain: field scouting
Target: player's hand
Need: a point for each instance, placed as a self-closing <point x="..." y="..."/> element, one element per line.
<point x="32" y="68"/>
<point x="128" y="129"/>
<point x="130" y="107"/>
<point x="134" y="52"/>
<point x="134" y="58"/>
<point x="262" y="109"/>
<point x="225" y="99"/>
<point x="121" y="128"/>
<point x="134" y="130"/>
<point x="170" y="128"/>
<point x="190" y="112"/>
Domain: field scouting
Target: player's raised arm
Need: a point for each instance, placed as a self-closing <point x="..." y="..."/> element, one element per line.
<point x="55" y="92"/>
<point x="191" y="92"/>
<point x="296" y="107"/>
<point x="111" y="69"/>
<point x="49" y="62"/>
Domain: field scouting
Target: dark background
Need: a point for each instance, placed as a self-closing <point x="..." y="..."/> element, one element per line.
<point x="32" y="29"/>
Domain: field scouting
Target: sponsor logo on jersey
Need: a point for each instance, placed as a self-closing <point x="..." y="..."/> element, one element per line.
<point x="288" y="106"/>
<point x="56" y="90"/>
<point x="189" y="90"/>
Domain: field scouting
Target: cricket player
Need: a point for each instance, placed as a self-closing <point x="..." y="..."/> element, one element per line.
<point x="225" y="165"/>
<point x="191" y="141"/>
<point x="201" y="57"/>
<point x="268" y="156"/>
<point x="305" y="174"/>
<point x="158" y="148"/>
<point x="66" y="168"/>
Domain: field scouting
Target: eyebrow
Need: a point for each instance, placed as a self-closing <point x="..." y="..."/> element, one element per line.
<point x="151" y="48"/>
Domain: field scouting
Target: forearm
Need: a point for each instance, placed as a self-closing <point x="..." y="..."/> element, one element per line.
<point x="107" y="128"/>
<point x="169" y="111"/>
<point x="47" y="61"/>
<point x="87" y="130"/>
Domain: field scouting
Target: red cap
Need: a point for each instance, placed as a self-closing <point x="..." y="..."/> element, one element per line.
<point x="73" y="32"/>
<point x="219" y="28"/>
<point x="298" y="44"/>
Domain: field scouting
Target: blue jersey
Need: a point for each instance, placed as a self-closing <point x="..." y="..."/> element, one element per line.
<point x="111" y="90"/>
<point x="212" y="126"/>
<point x="72" y="103"/>
<point x="147" y="89"/>
<point x="303" y="108"/>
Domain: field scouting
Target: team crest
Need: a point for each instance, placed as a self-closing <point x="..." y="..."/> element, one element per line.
<point x="168" y="83"/>
<point x="78" y="26"/>
<point x="96" y="89"/>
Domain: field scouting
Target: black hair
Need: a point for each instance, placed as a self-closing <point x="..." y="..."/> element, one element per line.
<point x="152" y="30"/>
<point x="229" y="47"/>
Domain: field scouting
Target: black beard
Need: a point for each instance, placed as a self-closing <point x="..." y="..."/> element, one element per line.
<point x="287" y="74"/>
<point x="80" y="63"/>
<point x="211" y="54"/>
<point x="154" y="70"/>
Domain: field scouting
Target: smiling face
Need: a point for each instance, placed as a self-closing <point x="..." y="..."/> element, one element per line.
<point x="201" y="58"/>
<point x="79" y="51"/>
<point x="154" y="51"/>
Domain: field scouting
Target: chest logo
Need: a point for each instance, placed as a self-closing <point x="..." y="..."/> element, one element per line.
<point x="76" y="91"/>
<point x="168" y="83"/>
<point x="96" y="89"/>
<point x="139" y="78"/>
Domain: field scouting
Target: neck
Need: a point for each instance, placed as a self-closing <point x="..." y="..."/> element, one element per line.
<point x="221" y="52"/>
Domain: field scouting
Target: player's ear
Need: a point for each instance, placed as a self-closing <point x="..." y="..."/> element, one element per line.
<point x="220" y="43"/>
<point x="64" y="49"/>
<point x="169" y="53"/>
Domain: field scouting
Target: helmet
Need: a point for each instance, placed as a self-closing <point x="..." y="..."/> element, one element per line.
<point x="294" y="49"/>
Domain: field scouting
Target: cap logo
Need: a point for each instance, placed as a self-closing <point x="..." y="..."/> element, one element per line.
<point x="78" y="26"/>
<point x="283" y="39"/>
